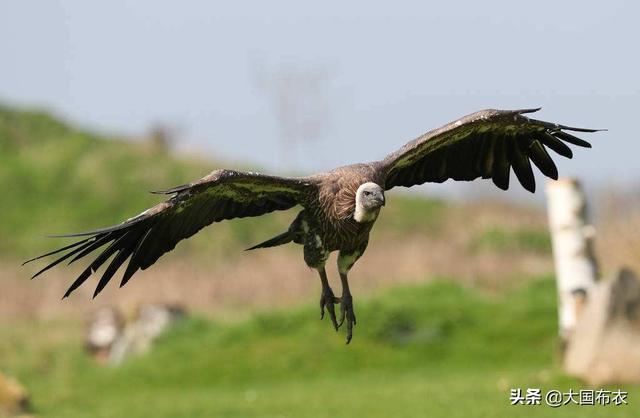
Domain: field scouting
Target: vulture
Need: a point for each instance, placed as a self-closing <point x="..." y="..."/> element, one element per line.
<point x="338" y="207"/>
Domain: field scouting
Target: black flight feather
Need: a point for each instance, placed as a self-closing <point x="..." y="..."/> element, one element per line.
<point x="501" y="164"/>
<point x="542" y="160"/>
<point x="555" y="144"/>
<point x="571" y="139"/>
<point x="75" y="244"/>
<point x="521" y="165"/>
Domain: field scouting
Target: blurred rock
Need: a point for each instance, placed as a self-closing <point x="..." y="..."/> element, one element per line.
<point x="604" y="347"/>
<point x="138" y="335"/>
<point x="14" y="399"/>
<point x="103" y="329"/>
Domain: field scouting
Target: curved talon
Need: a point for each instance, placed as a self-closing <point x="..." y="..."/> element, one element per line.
<point x="347" y="314"/>
<point x="327" y="299"/>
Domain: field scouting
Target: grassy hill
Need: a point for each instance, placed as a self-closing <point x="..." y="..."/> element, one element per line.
<point x="56" y="178"/>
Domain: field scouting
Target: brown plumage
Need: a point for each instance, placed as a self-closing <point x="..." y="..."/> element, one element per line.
<point x="339" y="206"/>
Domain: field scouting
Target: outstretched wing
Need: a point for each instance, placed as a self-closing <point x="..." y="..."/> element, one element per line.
<point x="223" y="194"/>
<point x="484" y="144"/>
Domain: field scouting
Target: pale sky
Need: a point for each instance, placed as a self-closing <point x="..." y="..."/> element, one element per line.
<point x="388" y="73"/>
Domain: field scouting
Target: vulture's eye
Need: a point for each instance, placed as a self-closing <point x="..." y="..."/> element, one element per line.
<point x="367" y="193"/>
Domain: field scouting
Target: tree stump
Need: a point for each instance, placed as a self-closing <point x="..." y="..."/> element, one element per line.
<point x="572" y="242"/>
<point x="604" y="347"/>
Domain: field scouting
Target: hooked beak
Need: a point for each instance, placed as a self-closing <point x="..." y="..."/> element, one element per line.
<point x="380" y="199"/>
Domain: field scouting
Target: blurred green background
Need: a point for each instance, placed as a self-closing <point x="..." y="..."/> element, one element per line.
<point x="456" y="302"/>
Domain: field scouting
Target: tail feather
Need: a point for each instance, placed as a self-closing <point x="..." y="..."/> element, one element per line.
<point x="283" y="238"/>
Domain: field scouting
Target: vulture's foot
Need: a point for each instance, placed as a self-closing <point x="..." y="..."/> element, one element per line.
<point x="347" y="314"/>
<point x="327" y="300"/>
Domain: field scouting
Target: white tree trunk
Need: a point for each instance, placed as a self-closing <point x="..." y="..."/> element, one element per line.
<point x="572" y="241"/>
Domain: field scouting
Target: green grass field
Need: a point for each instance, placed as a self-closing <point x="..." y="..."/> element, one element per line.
<point x="427" y="350"/>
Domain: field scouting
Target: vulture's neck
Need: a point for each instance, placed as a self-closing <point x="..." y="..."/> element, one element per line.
<point x="361" y="215"/>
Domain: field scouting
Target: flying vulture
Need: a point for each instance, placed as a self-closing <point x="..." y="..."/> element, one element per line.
<point x="339" y="207"/>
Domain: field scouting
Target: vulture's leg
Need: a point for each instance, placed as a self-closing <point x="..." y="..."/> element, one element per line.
<point x="345" y="262"/>
<point x="327" y="299"/>
<point x="346" y="307"/>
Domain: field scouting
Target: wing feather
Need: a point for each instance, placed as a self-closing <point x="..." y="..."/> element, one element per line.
<point x="487" y="155"/>
<point x="118" y="260"/>
<point x="571" y="139"/>
<point x="555" y="144"/>
<point x="134" y="262"/>
<point x="542" y="159"/>
<point x="75" y="244"/>
<point x="500" y="175"/>
<point x="98" y="241"/>
<point x="223" y="194"/>
<point x="485" y="144"/>
<point x="522" y="166"/>
<point x="95" y="264"/>
<point x="60" y="260"/>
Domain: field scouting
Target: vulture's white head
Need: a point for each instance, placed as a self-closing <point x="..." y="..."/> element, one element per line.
<point x="369" y="200"/>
